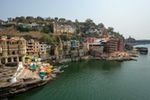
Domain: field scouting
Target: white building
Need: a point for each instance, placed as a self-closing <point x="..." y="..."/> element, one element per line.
<point x="44" y="48"/>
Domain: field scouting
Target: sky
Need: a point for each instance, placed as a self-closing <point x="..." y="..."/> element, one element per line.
<point x="129" y="17"/>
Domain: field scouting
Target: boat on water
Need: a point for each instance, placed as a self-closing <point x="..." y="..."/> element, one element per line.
<point x="142" y="50"/>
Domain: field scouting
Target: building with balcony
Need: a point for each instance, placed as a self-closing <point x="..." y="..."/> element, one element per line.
<point x="114" y="44"/>
<point x="44" y="49"/>
<point x="12" y="49"/>
<point x="33" y="48"/>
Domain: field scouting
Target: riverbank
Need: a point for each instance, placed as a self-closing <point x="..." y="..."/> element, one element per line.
<point x="117" y="56"/>
<point x="9" y="89"/>
<point x="25" y="77"/>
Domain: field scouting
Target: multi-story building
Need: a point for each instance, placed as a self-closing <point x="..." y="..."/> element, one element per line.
<point x="44" y="48"/>
<point x="12" y="49"/>
<point x="114" y="44"/>
<point x="33" y="48"/>
<point x="96" y="48"/>
<point x="106" y="43"/>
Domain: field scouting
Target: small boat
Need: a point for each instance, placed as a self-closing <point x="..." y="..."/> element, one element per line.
<point x="57" y="70"/>
<point x="142" y="50"/>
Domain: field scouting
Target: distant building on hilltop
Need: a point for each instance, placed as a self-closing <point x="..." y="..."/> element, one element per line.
<point x="63" y="29"/>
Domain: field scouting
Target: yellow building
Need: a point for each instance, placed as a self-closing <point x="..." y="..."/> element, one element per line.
<point x="12" y="49"/>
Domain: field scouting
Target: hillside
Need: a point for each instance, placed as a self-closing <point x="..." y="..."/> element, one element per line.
<point x="13" y="32"/>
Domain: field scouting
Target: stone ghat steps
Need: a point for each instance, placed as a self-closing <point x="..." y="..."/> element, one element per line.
<point x="6" y="74"/>
<point x="22" y="86"/>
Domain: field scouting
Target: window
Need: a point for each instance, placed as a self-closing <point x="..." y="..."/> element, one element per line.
<point x="3" y="60"/>
<point x="15" y="59"/>
<point x="13" y="53"/>
<point x="20" y="58"/>
<point x="9" y="59"/>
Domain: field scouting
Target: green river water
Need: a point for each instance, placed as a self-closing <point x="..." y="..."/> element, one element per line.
<point x="97" y="80"/>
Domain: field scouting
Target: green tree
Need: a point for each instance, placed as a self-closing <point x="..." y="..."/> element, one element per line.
<point x="21" y="19"/>
<point x="62" y="20"/>
<point x="110" y="29"/>
<point x="56" y="18"/>
<point x="50" y="39"/>
<point x="46" y="38"/>
<point x="46" y="29"/>
<point x="30" y="19"/>
<point x="64" y="37"/>
<point x="101" y="25"/>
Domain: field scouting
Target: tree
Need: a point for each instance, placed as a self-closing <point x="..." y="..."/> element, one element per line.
<point x="21" y="19"/>
<point x="76" y="21"/>
<point x="48" y="19"/>
<point x="68" y="21"/>
<point x="89" y="21"/>
<point x="46" y="38"/>
<point x="47" y="29"/>
<point x="10" y="19"/>
<point x="30" y="19"/>
<point x="110" y="30"/>
<point x="89" y="25"/>
<point x="64" y="37"/>
<point x="23" y="28"/>
<point x="39" y="20"/>
<point x="101" y="25"/>
<point x="62" y="20"/>
<point x="77" y="25"/>
<point x="56" y="18"/>
<point x="117" y="34"/>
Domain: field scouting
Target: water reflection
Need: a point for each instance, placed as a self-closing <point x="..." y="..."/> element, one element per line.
<point x="99" y="65"/>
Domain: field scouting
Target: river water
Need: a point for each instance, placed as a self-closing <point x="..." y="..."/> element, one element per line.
<point x="98" y="80"/>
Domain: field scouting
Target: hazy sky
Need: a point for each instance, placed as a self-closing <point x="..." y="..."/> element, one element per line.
<point x="129" y="17"/>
